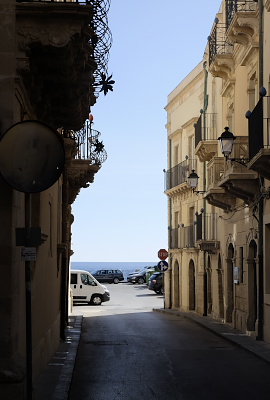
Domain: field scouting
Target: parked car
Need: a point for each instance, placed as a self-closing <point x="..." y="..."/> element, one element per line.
<point x="109" y="275"/>
<point x="156" y="282"/>
<point x="137" y="277"/>
<point x="85" y="288"/>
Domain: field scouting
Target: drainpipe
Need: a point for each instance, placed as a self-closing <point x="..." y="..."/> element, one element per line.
<point x="205" y="289"/>
<point x="261" y="203"/>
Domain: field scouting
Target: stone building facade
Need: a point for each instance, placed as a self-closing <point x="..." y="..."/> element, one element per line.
<point x="51" y="65"/>
<point x="218" y="231"/>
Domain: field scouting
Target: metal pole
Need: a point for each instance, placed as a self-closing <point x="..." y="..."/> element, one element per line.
<point x="28" y="304"/>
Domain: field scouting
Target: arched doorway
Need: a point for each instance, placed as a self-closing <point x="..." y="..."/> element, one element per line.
<point x="252" y="286"/>
<point x="209" y="287"/>
<point x="176" y="286"/>
<point x="191" y="279"/>
<point x="220" y="289"/>
<point x="230" y="288"/>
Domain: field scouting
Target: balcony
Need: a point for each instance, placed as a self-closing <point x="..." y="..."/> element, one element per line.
<point x="259" y="138"/>
<point x="229" y="180"/>
<point x="182" y="237"/>
<point x="60" y="50"/>
<point x="236" y="7"/>
<point x="206" y="232"/>
<point x="220" y="51"/>
<point x="238" y="180"/>
<point x="206" y="145"/>
<point x="176" y="177"/>
<point x="240" y="26"/>
<point x="84" y="156"/>
<point x="216" y="195"/>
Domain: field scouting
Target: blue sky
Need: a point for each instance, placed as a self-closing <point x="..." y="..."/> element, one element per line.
<point x="122" y="216"/>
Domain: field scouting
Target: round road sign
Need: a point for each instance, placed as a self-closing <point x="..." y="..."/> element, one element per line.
<point x="163" y="266"/>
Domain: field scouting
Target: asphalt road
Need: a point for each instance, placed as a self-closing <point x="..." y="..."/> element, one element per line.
<point x="129" y="352"/>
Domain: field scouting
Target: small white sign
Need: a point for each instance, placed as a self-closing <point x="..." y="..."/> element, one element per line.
<point x="29" y="254"/>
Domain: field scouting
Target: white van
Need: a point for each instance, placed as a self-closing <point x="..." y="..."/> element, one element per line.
<point x="85" y="288"/>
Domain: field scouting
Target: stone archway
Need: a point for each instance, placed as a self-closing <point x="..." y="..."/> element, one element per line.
<point x="252" y="285"/>
<point x="176" y="286"/>
<point x="209" y="286"/>
<point x="230" y="287"/>
<point x="192" y="286"/>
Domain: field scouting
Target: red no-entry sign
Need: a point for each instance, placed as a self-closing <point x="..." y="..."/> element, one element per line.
<point x="162" y="254"/>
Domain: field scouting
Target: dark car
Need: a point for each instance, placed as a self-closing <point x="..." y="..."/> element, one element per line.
<point x="156" y="282"/>
<point x="109" y="275"/>
<point x="137" y="277"/>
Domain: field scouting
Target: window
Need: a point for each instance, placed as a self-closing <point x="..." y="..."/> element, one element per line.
<point x="73" y="279"/>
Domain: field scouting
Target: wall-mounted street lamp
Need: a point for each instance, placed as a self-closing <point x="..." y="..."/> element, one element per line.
<point x="193" y="181"/>
<point x="226" y="141"/>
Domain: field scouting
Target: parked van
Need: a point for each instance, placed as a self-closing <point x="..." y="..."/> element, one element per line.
<point x="85" y="288"/>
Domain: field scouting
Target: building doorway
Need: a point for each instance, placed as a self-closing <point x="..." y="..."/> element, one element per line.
<point x="176" y="286"/>
<point x="209" y="287"/>
<point x="230" y="285"/>
<point x="220" y="289"/>
<point x="192" y="289"/>
<point x="252" y="286"/>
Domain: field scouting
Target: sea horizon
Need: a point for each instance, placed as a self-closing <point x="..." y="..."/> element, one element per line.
<point x="125" y="267"/>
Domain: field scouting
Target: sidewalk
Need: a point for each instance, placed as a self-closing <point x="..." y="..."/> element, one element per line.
<point x="55" y="380"/>
<point x="258" y="348"/>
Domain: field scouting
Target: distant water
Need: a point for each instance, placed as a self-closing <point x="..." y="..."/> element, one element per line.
<point x="126" y="267"/>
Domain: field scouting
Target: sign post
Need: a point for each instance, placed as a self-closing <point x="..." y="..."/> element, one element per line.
<point x="163" y="266"/>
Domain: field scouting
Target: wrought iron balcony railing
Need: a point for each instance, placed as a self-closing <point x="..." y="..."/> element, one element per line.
<point x="88" y="147"/>
<point x="205" y="128"/>
<point x="182" y="237"/>
<point x="218" y="41"/>
<point x="179" y="173"/>
<point x="259" y="127"/>
<point x="234" y="6"/>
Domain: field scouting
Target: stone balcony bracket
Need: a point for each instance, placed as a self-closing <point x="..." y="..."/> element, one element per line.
<point x="244" y="27"/>
<point x="80" y="174"/>
<point x="184" y="187"/>
<point x="209" y="246"/>
<point x="241" y="185"/>
<point x="220" y="198"/>
<point x="206" y="150"/>
<point x="222" y="66"/>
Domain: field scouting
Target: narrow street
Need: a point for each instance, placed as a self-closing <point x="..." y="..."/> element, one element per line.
<point x="129" y="352"/>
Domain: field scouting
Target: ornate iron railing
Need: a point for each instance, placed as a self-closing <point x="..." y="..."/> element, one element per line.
<point x="218" y="41"/>
<point x="205" y="128"/>
<point x="259" y="127"/>
<point x="234" y="6"/>
<point x="88" y="147"/>
<point x="179" y="174"/>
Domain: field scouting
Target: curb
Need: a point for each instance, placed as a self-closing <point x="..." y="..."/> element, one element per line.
<point x="73" y="337"/>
